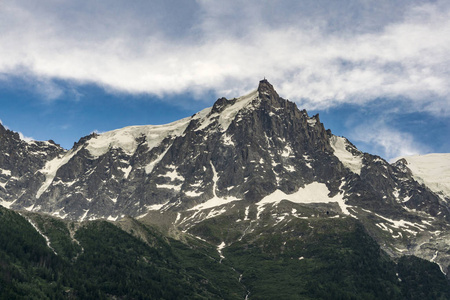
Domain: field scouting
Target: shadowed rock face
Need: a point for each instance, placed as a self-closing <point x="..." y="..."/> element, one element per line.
<point x="256" y="146"/>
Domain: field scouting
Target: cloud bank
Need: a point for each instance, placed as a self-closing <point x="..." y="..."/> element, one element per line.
<point x="318" y="54"/>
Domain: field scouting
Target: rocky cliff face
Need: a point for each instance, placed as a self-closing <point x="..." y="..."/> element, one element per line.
<point x="20" y="165"/>
<point x="240" y="158"/>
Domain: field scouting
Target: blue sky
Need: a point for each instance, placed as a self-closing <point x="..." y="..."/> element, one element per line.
<point x="377" y="72"/>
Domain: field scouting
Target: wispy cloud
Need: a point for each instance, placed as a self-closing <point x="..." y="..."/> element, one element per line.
<point x="22" y="137"/>
<point x="25" y="138"/>
<point x="387" y="141"/>
<point x="320" y="55"/>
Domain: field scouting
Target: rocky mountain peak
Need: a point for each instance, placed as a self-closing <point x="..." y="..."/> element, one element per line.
<point x="266" y="88"/>
<point x="265" y="94"/>
<point x="269" y="96"/>
<point x="247" y="154"/>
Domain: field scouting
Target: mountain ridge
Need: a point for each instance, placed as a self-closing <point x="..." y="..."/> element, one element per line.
<point x="242" y="159"/>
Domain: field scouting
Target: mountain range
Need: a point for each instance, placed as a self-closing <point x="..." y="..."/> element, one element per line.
<point x="248" y="177"/>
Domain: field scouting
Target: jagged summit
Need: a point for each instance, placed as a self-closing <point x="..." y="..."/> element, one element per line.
<point x="265" y="87"/>
<point x="257" y="145"/>
<point x="265" y="93"/>
<point x="249" y="153"/>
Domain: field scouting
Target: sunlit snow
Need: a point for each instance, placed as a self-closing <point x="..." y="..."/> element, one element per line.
<point x="215" y="200"/>
<point x="348" y="159"/>
<point x="126" y="138"/>
<point x="219" y="249"/>
<point x="229" y="113"/>
<point x="311" y="193"/>
<point x="5" y="203"/>
<point x="6" y="172"/>
<point x="50" y="169"/>
<point x="433" y="170"/>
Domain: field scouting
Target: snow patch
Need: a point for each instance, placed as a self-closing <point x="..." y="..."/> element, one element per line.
<point x="227" y="140"/>
<point x="219" y="249"/>
<point x="197" y="184"/>
<point x="348" y="159"/>
<point x="193" y="194"/>
<point x="406" y="199"/>
<point x="311" y="193"/>
<point x="84" y="215"/>
<point x="173" y="174"/>
<point x="6" y="203"/>
<point x="384" y="227"/>
<point x="312" y="122"/>
<point x="260" y="209"/>
<point x="156" y="206"/>
<point x="50" y="169"/>
<point x="287" y="151"/>
<point x="289" y="168"/>
<point x="126" y="171"/>
<point x="178" y="218"/>
<point x="401" y="250"/>
<point x="215" y="200"/>
<point x="6" y="172"/>
<point x="307" y="161"/>
<point x="169" y="187"/>
<point x="214" y="213"/>
<point x="247" y="209"/>
<point x="401" y="224"/>
<point x="29" y="208"/>
<point x="435" y="256"/>
<point x="230" y="112"/>
<point x="206" y="118"/>
<point x="149" y="168"/>
<point x="113" y="219"/>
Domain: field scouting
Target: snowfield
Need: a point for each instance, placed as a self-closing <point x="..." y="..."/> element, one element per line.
<point x="433" y="170"/>
<point x="348" y="159"/>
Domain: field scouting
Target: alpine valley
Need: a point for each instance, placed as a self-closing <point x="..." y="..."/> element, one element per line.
<point x="249" y="199"/>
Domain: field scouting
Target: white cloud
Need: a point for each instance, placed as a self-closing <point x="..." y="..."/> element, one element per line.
<point x="319" y="55"/>
<point x="22" y="137"/>
<point x="46" y="88"/>
<point x="25" y="138"/>
<point x="386" y="141"/>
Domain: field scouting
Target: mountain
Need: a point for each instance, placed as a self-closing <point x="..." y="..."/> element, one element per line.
<point x="232" y="175"/>
<point x="432" y="170"/>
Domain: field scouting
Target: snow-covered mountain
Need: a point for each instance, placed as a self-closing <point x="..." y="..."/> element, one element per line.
<point x="240" y="158"/>
<point x="432" y="170"/>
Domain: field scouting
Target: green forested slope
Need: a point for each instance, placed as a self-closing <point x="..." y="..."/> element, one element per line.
<point x="301" y="259"/>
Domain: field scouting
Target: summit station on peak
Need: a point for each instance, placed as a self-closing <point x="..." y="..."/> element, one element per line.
<point x="265" y="86"/>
